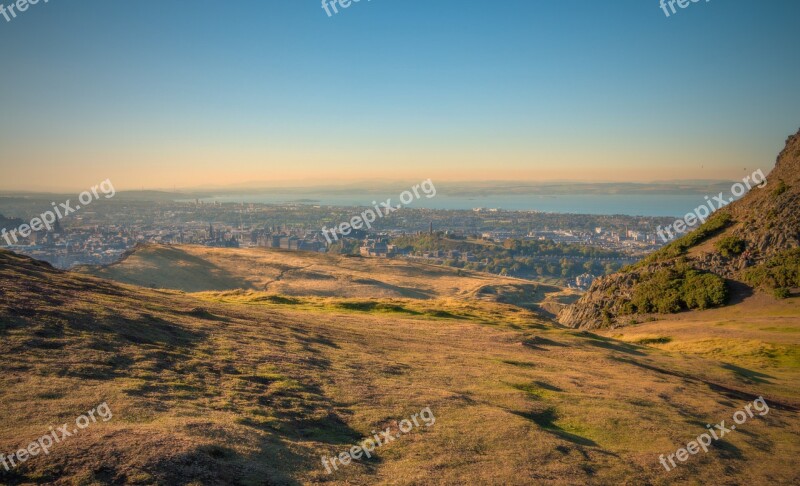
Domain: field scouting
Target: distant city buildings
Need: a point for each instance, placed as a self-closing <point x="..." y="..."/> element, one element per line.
<point x="585" y="280"/>
<point x="287" y="241"/>
<point x="102" y="235"/>
<point x="377" y="248"/>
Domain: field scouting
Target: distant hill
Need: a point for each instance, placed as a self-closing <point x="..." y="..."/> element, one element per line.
<point x="751" y="244"/>
<point x="193" y="268"/>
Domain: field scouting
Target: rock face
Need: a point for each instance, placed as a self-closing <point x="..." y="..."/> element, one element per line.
<point x="767" y="219"/>
<point x="600" y="305"/>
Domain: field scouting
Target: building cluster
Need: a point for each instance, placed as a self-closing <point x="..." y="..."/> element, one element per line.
<point x="102" y="234"/>
<point x="584" y="281"/>
<point x="443" y="255"/>
<point x="299" y="241"/>
<point x="378" y="248"/>
<point x="601" y="238"/>
<point x="65" y="249"/>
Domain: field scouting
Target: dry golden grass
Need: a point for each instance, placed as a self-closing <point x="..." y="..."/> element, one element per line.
<point x="756" y="341"/>
<point x="252" y="388"/>
<point x="198" y="268"/>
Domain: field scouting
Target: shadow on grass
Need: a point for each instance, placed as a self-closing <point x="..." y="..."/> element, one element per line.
<point x="727" y="450"/>
<point x="368" y="306"/>
<point x="547" y="386"/>
<point x="406" y="292"/>
<point x="748" y="375"/>
<point x="546" y="418"/>
<point x="317" y="339"/>
<point x="204" y="314"/>
<point x="610" y="344"/>
<point x="537" y="342"/>
<point x="737" y="292"/>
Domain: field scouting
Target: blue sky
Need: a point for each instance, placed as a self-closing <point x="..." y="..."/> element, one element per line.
<point x="180" y="93"/>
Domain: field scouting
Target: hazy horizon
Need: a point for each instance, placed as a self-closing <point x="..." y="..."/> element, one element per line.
<point x="200" y="96"/>
<point x="689" y="185"/>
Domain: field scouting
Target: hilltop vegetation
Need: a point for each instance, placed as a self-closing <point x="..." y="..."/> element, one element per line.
<point x="517" y="257"/>
<point x="671" y="290"/>
<point x="749" y="245"/>
<point x="680" y="247"/>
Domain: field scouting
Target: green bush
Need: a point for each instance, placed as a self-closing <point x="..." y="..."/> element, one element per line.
<point x="730" y="246"/>
<point x="671" y="290"/>
<point x="781" y="293"/>
<point x="780" y="271"/>
<point x="659" y="293"/>
<point x="780" y="188"/>
<point x="703" y="290"/>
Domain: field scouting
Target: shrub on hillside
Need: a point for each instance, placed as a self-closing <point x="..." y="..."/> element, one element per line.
<point x="780" y="271"/>
<point x="659" y="293"/>
<point x="780" y="188"/>
<point x="781" y="293"/>
<point x="703" y="290"/>
<point x="671" y="290"/>
<point x="730" y="246"/>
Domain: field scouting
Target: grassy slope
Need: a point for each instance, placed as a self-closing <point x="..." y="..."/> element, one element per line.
<point x="302" y="274"/>
<point x="757" y="340"/>
<point x="198" y="268"/>
<point x="236" y="388"/>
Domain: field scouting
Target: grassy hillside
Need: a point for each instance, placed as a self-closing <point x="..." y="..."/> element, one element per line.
<point x="291" y="274"/>
<point x="252" y="388"/>
<point x="198" y="268"/>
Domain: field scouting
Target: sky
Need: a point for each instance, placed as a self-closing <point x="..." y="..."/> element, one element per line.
<point x="180" y="94"/>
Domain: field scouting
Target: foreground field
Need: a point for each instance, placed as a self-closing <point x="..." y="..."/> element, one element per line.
<point x="253" y="388"/>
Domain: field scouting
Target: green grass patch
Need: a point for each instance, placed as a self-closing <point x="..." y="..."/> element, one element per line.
<point x="367" y="306"/>
<point x="276" y="299"/>
<point x="656" y="340"/>
<point x="535" y="390"/>
<point x="730" y="246"/>
<point x="519" y="364"/>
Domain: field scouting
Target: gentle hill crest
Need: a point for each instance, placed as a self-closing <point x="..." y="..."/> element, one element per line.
<point x="193" y="268"/>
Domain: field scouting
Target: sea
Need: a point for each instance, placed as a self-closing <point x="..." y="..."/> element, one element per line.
<point x="673" y="205"/>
